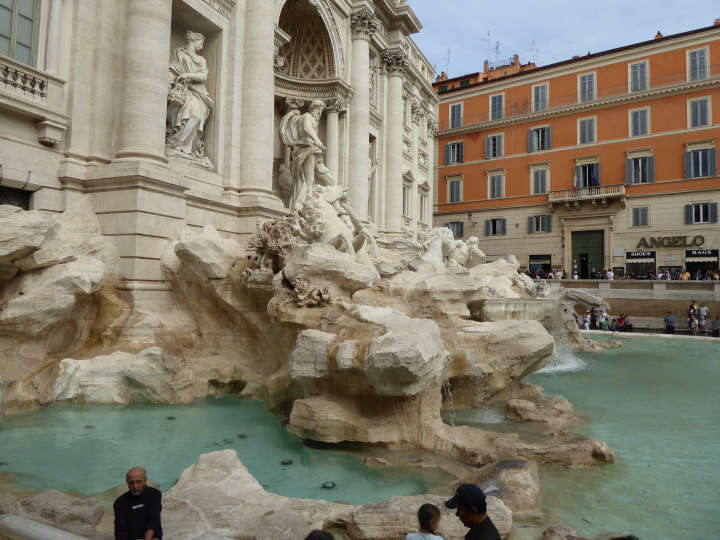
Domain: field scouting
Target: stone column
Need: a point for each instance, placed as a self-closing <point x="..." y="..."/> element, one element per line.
<point x="145" y="80"/>
<point x="52" y="45"/>
<point x="258" y="105"/>
<point x="364" y="25"/>
<point x="396" y="63"/>
<point x="332" y="154"/>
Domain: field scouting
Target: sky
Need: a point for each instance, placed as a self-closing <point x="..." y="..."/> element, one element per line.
<point x="547" y="31"/>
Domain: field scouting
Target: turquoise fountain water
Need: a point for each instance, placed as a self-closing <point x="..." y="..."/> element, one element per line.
<point x="88" y="449"/>
<point x="655" y="402"/>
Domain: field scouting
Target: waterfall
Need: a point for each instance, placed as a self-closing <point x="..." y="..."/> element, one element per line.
<point x="447" y="393"/>
<point x="563" y="358"/>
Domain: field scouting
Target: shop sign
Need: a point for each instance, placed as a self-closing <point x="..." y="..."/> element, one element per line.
<point x="640" y="255"/>
<point x="701" y="253"/>
<point x="671" y="241"/>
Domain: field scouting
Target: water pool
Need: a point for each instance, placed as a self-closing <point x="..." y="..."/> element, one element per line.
<point x="87" y="449"/>
<point x="655" y="402"/>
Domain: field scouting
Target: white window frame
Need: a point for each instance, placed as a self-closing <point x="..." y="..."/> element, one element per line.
<point x="547" y="97"/>
<point x="495" y="233"/>
<point x="647" y="76"/>
<point x="452" y="162"/>
<point x="699" y="149"/>
<point x="579" y="94"/>
<point x="632" y="217"/>
<point x="490" y="174"/>
<point x="533" y="128"/>
<point x="540" y="167"/>
<point x="541" y="220"/>
<point x="707" y="62"/>
<point x="462" y="111"/>
<point x="638" y="156"/>
<point x="448" y="181"/>
<point x="407" y="188"/>
<point x="595" y="128"/>
<point x="707" y="215"/>
<point x="490" y="108"/>
<point x="630" y="123"/>
<point x="709" y="112"/>
<point x="501" y="134"/>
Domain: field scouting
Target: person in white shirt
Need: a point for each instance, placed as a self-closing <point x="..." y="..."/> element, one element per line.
<point x="429" y="520"/>
<point x="610" y="274"/>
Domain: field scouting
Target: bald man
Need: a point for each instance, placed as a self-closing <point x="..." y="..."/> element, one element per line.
<point x="137" y="512"/>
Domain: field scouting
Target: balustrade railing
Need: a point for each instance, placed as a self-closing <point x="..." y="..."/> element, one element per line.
<point x="587" y="193"/>
<point x="23" y="80"/>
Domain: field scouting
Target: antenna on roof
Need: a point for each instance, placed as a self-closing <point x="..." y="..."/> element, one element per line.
<point x="487" y="43"/>
<point x="497" y="52"/>
<point x="534" y="52"/>
<point x="447" y="63"/>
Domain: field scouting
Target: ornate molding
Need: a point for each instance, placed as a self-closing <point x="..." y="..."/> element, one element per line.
<point x="364" y="23"/>
<point x="395" y="62"/>
<point x="325" y="90"/>
<point x="223" y="7"/>
<point x="416" y="111"/>
<point x="337" y="105"/>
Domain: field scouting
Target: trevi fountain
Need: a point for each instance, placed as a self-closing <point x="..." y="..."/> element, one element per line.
<point x="243" y="294"/>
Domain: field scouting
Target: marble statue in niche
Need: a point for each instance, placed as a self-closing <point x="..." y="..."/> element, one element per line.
<point x="189" y="102"/>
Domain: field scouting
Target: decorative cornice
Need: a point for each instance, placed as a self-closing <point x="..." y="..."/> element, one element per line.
<point x="223" y="7"/>
<point x="364" y="24"/>
<point x="336" y="105"/>
<point x="395" y="61"/>
<point x="654" y="93"/>
<point x="289" y="87"/>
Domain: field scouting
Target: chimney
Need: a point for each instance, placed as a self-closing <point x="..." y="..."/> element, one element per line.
<point x="516" y="60"/>
<point x="658" y="35"/>
<point x="486" y="66"/>
<point x="716" y="22"/>
<point x="575" y="56"/>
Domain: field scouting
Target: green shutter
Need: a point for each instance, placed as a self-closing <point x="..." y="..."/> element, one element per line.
<point x="577" y="183"/>
<point x="487" y="147"/>
<point x="548" y="138"/>
<point x="687" y="160"/>
<point x="530" y="141"/>
<point x="688" y="214"/>
<point x="713" y="212"/>
<point x="461" y="152"/>
<point x="488" y="225"/>
<point x="531" y="223"/>
<point x="447" y="154"/>
<point x="651" y="169"/>
<point x="712" y="161"/>
<point x="628" y="172"/>
<point x="548" y="223"/>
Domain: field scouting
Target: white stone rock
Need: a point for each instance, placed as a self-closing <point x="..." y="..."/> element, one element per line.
<point x="29" y="529"/>
<point x="309" y="359"/>
<point x="207" y="253"/>
<point x="22" y="232"/>
<point x="51" y="253"/>
<point x="32" y="315"/>
<point x="79" y="516"/>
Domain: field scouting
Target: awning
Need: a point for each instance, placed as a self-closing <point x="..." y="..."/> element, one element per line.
<point x="701" y="259"/>
<point x="634" y="261"/>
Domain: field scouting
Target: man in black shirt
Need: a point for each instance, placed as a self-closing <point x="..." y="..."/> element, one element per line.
<point x="137" y="512"/>
<point x="471" y="507"/>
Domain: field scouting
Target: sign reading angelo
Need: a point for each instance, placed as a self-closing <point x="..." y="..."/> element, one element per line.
<point x="670" y="241"/>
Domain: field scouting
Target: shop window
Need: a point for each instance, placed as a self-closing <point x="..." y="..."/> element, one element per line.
<point x="493" y="146"/>
<point x="701" y="213"/>
<point x="641" y="216"/>
<point x="539" y="224"/>
<point x="640" y="170"/>
<point x="495" y="226"/>
<point x="453" y="153"/>
<point x="457" y="227"/>
<point x="18" y="26"/>
<point x="700" y="163"/>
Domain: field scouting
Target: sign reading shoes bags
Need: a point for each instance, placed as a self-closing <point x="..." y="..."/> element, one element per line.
<point x="640" y="256"/>
<point x="670" y="242"/>
<point x="701" y="255"/>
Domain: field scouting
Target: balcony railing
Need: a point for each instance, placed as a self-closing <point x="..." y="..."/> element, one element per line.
<point x="513" y="108"/>
<point x="23" y="80"/>
<point x="587" y="193"/>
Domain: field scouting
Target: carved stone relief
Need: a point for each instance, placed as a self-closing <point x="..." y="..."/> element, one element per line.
<point x="364" y="23"/>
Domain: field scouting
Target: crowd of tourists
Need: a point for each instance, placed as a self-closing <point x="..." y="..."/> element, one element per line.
<point x="699" y="322"/>
<point x="662" y="274"/>
<point x="600" y="320"/>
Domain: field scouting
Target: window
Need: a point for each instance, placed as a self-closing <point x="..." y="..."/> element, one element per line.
<point x="698" y="112"/>
<point x="494" y="226"/>
<point x="586" y="87"/>
<point x="422" y="215"/>
<point x="587" y="175"/>
<point x="407" y="200"/>
<point x="640" y="170"/>
<point x="701" y="213"/>
<point x="540" y="97"/>
<point x="464" y="83"/>
<point x="586" y="130"/>
<point x="454" y="190"/>
<point x="454" y="153"/>
<point x="18" y="21"/>
<point x="538" y="224"/>
<point x="493" y="146"/>
<point x="456" y="227"/>
<point x="697" y="65"/>
<point x="638" y="76"/>
<point x="539" y="181"/>
<point x="496" y="187"/>
<point x="700" y="163"/>
<point x="496" y="107"/>
<point x="442" y="88"/>
<point x="641" y="217"/>
<point x="456" y="115"/>
<point x="539" y="139"/>
<point x="639" y="122"/>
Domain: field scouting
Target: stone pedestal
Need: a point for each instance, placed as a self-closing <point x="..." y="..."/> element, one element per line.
<point x="145" y="80"/>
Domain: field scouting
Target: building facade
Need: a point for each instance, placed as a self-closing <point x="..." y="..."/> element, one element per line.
<point x="603" y="161"/>
<point x="165" y="113"/>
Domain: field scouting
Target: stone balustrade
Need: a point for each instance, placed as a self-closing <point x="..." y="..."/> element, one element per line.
<point x="587" y="193"/>
<point x="23" y="80"/>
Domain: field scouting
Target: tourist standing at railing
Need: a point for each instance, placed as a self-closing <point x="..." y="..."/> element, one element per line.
<point x="715" y="327"/>
<point x="669" y="323"/>
<point x="610" y="274"/>
<point x="593" y="319"/>
<point x="693" y="325"/>
<point x="693" y="309"/>
<point x="685" y="275"/>
<point x="704" y="311"/>
<point x="586" y="321"/>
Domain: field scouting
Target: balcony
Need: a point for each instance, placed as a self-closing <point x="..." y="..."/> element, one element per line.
<point x="601" y="195"/>
<point x="522" y="110"/>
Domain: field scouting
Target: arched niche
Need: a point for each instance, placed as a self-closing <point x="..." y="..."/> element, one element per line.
<point x="314" y="51"/>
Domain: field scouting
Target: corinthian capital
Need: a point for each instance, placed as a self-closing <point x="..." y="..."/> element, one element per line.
<point x="396" y="61"/>
<point x="364" y="24"/>
<point x="337" y="105"/>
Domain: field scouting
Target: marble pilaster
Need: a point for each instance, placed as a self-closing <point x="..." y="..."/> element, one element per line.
<point x="52" y="45"/>
<point x="332" y="154"/>
<point x="396" y="63"/>
<point x="147" y="42"/>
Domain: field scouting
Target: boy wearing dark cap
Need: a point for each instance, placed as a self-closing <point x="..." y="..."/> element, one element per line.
<point x="471" y="507"/>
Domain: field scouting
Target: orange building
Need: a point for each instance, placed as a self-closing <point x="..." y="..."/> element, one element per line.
<point x="602" y="161"/>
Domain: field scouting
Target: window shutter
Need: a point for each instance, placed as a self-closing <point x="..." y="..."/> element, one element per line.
<point x="447" y="154"/>
<point x="688" y="164"/>
<point x="701" y="64"/>
<point x="488" y="142"/>
<point x="577" y="177"/>
<point x="531" y="140"/>
<point x="548" y="138"/>
<point x="651" y="169"/>
<point x="635" y="116"/>
<point x="487" y="227"/>
<point x="628" y="172"/>
<point x="596" y="173"/>
<point x="713" y="212"/>
<point x="500" y="148"/>
<point x="531" y="224"/>
<point x="461" y="157"/>
<point x="644" y="122"/>
<point x="702" y="112"/>
<point x="712" y="161"/>
<point x="461" y="229"/>
<point x="688" y="214"/>
<point x="502" y="226"/>
<point x="693" y="66"/>
<point x="548" y="223"/>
